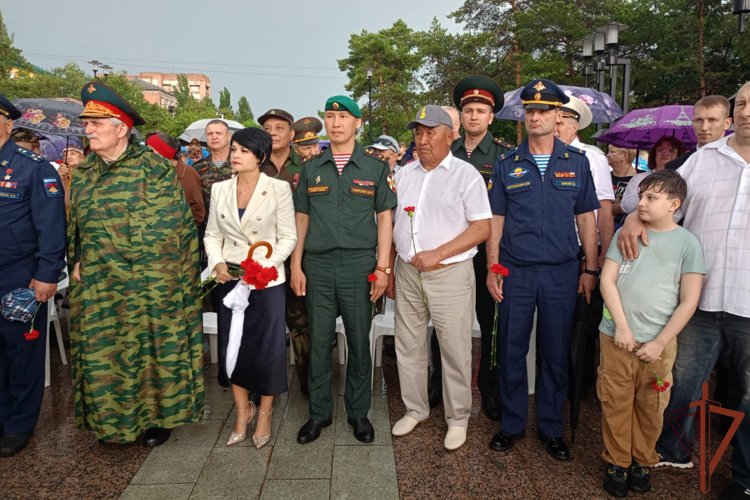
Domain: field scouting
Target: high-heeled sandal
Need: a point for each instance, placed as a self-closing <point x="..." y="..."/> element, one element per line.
<point x="238" y="438"/>
<point x="261" y="441"/>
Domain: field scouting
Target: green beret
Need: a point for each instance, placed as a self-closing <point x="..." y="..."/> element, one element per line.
<point x="343" y="103"/>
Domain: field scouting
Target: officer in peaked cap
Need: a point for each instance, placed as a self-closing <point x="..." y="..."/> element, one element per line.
<point x="306" y="137"/>
<point x="478" y="98"/>
<point x="539" y="192"/>
<point x="32" y="215"/>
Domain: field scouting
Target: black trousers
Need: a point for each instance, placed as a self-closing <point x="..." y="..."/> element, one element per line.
<point x="485" y="309"/>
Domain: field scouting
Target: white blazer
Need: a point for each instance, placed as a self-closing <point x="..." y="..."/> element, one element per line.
<point x="269" y="216"/>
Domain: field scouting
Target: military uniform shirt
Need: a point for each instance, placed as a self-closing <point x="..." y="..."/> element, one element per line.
<point x="484" y="156"/>
<point x="341" y="207"/>
<point x="289" y="172"/>
<point x="540" y="211"/>
<point x="32" y="212"/>
<point x="211" y="174"/>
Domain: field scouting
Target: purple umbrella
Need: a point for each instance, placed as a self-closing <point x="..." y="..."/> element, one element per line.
<point x="603" y="108"/>
<point x="642" y="128"/>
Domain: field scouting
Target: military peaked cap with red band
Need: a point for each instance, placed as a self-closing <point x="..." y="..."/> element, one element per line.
<point x="478" y="89"/>
<point x="306" y="131"/>
<point x="164" y="144"/>
<point x="101" y="101"/>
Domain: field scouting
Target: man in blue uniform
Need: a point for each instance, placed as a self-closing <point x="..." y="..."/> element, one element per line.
<point x="537" y="192"/>
<point x="32" y="222"/>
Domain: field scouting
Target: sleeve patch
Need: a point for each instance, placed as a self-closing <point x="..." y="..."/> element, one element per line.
<point x="391" y="182"/>
<point x="51" y="187"/>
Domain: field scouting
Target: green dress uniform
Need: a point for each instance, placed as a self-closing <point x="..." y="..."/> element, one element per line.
<point x="483" y="90"/>
<point x="339" y="255"/>
<point x="135" y="317"/>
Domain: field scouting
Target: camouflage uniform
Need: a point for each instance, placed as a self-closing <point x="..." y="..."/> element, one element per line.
<point x="135" y="321"/>
<point x="296" y="310"/>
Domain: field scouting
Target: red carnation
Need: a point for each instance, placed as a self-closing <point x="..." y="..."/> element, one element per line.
<point x="257" y="275"/>
<point x="372" y="278"/>
<point x="32" y="335"/>
<point x="410" y="211"/>
<point x="661" y="385"/>
<point x="501" y="270"/>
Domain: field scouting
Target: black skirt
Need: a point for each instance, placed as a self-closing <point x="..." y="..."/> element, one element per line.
<point x="261" y="362"/>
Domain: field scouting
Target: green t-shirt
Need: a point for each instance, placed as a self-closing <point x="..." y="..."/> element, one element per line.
<point x="649" y="287"/>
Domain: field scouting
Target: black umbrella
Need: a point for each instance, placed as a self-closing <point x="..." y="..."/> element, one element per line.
<point x="577" y="362"/>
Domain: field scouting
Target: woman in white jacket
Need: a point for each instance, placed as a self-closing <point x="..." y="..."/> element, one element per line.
<point x="249" y="208"/>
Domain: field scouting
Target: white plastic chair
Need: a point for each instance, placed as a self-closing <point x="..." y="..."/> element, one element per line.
<point x="211" y="326"/>
<point x="340" y="333"/>
<point x="53" y="321"/>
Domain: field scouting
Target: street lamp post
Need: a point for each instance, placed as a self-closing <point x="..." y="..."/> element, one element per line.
<point x="369" y="104"/>
<point x="105" y="71"/>
<point x="95" y="66"/>
<point x="741" y="8"/>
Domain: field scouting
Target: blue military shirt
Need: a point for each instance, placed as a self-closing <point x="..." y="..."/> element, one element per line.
<point x="32" y="213"/>
<point x="540" y="212"/>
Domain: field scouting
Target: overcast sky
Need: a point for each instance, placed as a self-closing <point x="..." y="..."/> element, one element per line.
<point x="241" y="45"/>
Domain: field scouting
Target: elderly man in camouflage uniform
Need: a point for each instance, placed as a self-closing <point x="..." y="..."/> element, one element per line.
<point x="135" y="323"/>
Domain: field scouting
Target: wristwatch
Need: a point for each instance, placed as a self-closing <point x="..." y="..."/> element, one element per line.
<point x="592" y="273"/>
<point x="386" y="270"/>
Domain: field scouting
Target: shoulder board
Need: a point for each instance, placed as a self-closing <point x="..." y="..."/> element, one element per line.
<point x="373" y="154"/>
<point x="576" y="149"/>
<point x="504" y="144"/>
<point x="310" y="157"/>
<point x="29" y="154"/>
<point x="508" y="154"/>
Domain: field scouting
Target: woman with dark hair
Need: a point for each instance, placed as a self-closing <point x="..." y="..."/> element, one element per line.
<point x="249" y="208"/>
<point x="665" y="150"/>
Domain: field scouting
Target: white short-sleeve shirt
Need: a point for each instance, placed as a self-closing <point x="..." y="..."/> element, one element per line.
<point x="446" y="199"/>
<point x="601" y="174"/>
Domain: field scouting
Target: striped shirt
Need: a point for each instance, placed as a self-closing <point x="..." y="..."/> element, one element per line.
<point x="341" y="161"/>
<point x="541" y="162"/>
<point x="468" y="153"/>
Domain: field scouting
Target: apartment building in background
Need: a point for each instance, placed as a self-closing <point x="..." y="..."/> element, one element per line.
<point x="200" y="85"/>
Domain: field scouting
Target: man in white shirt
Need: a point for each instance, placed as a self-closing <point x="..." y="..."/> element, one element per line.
<point x="717" y="211"/>
<point x="449" y="215"/>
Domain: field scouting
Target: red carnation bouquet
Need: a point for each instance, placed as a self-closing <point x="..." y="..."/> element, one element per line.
<point x="500" y="272"/>
<point x="251" y="272"/>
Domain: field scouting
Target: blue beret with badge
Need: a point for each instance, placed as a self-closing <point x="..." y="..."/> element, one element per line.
<point x="543" y="94"/>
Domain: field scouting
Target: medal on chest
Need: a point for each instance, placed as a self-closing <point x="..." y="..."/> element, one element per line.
<point x="8" y="171"/>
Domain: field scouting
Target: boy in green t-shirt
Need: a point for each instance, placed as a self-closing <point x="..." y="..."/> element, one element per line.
<point x="648" y="302"/>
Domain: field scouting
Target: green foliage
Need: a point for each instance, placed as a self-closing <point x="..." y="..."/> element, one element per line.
<point x="244" y="113"/>
<point x="225" y="99"/>
<point x="9" y="55"/>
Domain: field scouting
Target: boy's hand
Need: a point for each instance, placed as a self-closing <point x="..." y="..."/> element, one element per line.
<point x="650" y="351"/>
<point x="624" y="339"/>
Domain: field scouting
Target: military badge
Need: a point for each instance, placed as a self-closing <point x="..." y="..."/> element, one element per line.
<point x="318" y="189"/>
<point x="565" y="174"/>
<point x="519" y="185"/>
<point x="9" y="185"/>
<point x="363" y="191"/>
<point x="489" y="185"/>
<point x="363" y="183"/>
<point x="518" y="172"/>
<point x="317" y="180"/>
<point x="12" y="196"/>
<point x="391" y="182"/>
<point x="540" y="86"/>
<point x="51" y="187"/>
<point x="335" y="105"/>
<point x="8" y="171"/>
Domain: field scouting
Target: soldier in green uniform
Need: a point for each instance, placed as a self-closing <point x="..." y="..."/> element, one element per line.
<point x="306" y="141"/>
<point x="338" y="194"/>
<point x="135" y="319"/>
<point x="478" y="98"/>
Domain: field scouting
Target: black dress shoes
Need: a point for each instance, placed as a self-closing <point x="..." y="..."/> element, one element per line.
<point x="555" y="447"/>
<point x="504" y="441"/>
<point x="492" y="407"/>
<point x="311" y="430"/>
<point x="363" y="430"/>
<point x="156" y="436"/>
<point x="12" y="444"/>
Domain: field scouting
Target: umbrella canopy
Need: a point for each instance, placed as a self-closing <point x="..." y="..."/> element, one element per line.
<point x="642" y="128"/>
<point x="603" y="108"/>
<point x="51" y="116"/>
<point x="197" y="130"/>
<point x="577" y="365"/>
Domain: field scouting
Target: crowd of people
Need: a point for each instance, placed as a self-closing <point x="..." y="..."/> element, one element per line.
<point x="469" y="227"/>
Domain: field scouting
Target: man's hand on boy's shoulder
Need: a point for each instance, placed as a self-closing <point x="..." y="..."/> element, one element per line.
<point x="632" y="229"/>
<point x="650" y="351"/>
<point x="624" y="338"/>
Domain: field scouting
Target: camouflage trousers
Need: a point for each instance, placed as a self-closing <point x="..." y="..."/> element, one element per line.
<point x="299" y="329"/>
